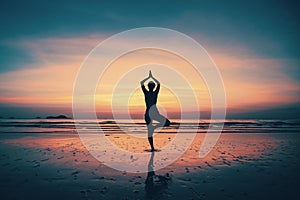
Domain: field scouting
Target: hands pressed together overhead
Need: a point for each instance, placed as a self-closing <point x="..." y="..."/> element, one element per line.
<point x="150" y="76"/>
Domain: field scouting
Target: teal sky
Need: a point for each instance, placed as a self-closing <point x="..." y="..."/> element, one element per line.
<point x="267" y="29"/>
<point x="270" y="28"/>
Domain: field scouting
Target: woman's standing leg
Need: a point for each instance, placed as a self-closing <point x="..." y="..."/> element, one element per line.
<point x="150" y="129"/>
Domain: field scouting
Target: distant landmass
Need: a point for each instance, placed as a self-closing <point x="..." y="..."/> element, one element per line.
<point x="58" y="117"/>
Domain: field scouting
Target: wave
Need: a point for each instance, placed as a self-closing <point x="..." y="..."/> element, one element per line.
<point x="138" y="126"/>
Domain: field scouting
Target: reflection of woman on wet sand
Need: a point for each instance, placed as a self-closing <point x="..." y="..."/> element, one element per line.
<point x="152" y="112"/>
<point x="156" y="185"/>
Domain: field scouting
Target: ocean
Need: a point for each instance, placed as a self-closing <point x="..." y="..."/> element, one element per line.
<point x="67" y="126"/>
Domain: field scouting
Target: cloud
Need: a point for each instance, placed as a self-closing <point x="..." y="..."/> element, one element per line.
<point x="48" y="80"/>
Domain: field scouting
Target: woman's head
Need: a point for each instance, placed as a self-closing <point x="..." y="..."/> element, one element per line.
<point x="151" y="85"/>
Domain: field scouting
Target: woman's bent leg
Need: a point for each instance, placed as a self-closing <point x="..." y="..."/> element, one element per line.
<point x="163" y="121"/>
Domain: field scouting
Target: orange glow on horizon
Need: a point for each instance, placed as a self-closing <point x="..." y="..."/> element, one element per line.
<point x="167" y="99"/>
<point x="249" y="81"/>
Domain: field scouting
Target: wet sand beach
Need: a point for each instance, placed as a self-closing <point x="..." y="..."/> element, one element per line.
<point x="241" y="166"/>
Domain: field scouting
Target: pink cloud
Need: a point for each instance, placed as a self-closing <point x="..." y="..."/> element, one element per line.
<point x="249" y="80"/>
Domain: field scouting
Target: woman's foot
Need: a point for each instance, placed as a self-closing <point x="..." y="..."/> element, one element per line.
<point x="154" y="150"/>
<point x="167" y="122"/>
<point x="150" y="139"/>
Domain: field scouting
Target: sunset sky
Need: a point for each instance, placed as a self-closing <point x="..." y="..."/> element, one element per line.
<point x="254" y="44"/>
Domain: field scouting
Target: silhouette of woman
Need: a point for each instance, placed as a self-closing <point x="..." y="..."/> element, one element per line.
<point x="152" y="112"/>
